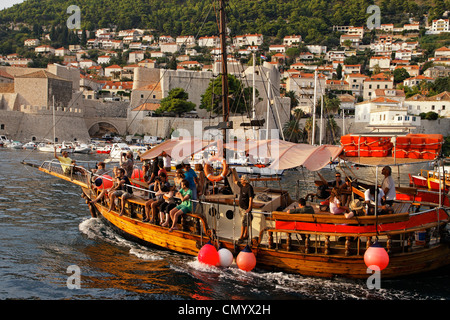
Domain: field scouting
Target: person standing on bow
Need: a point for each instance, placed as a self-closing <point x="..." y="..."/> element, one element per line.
<point x="127" y="163"/>
<point x="246" y="196"/>
<point x="66" y="162"/>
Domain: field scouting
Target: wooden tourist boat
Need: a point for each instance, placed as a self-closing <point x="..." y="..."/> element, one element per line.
<point x="317" y="244"/>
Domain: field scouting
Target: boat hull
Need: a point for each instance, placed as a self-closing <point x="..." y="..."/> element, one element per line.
<point x="313" y="264"/>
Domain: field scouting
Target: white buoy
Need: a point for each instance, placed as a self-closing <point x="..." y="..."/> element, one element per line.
<point x="225" y="257"/>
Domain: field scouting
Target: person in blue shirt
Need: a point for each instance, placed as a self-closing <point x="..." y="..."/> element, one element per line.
<point x="192" y="178"/>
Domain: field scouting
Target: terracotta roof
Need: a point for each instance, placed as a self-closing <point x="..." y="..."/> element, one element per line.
<point x="444" y="96"/>
<point x="41" y="74"/>
<point x="147" y="107"/>
<point x="383" y="100"/>
<point x="5" y="74"/>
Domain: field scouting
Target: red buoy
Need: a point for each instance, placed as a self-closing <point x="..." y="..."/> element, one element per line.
<point x="137" y="174"/>
<point x="208" y="255"/>
<point x="376" y="256"/>
<point x="246" y="260"/>
<point x="104" y="182"/>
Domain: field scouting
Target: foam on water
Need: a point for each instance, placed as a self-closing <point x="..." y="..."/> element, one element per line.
<point x="94" y="228"/>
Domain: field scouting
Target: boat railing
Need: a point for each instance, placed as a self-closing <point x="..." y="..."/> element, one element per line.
<point x="334" y="235"/>
<point x="71" y="173"/>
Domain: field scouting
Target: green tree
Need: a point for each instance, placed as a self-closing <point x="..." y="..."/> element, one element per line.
<point x="294" y="101"/>
<point x="239" y="96"/>
<point x="400" y="75"/>
<point x="339" y="71"/>
<point x="292" y="131"/>
<point x="176" y="102"/>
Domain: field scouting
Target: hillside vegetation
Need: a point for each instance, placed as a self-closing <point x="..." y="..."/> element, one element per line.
<point x="310" y="18"/>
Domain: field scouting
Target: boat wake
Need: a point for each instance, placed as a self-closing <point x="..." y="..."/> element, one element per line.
<point x="94" y="228"/>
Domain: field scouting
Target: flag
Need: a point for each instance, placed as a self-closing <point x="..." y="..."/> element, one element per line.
<point x="263" y="57"/>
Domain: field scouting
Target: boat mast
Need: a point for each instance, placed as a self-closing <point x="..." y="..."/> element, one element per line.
<point x="223" y="44"/>
<point x="54" y="127"/>
<point x="314" y="109"/>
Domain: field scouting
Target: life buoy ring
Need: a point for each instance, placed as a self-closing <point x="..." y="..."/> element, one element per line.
<point x="208" y="169"/>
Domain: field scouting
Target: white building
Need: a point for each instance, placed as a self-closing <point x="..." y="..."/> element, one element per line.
<point x="442" y="52"/>
<point x="135" y="56"/>
<point x="31" y="42"/>
<point x="440" y="25"/>
<point x="378" y="81"/>
<point x="44" y="49"/>
<point x="277" y="48"/>
<point x="248" y="39"/>
<point x="109" y="71"/>
<point x="356" y="83"/>
<point x="209" y="41"/>
<point x="385" y="112"/>
<point x="303" y="86"/>
<point x="415" y="81"/>
<point x="383" y="62"/>
<point x="292" y="40"/>
<point x="354" y="39"/>
<point x="317" y="49"/>
<point x="439" y="103"/>
<point x="185" y="40"/>
<point x="170" y="47"/>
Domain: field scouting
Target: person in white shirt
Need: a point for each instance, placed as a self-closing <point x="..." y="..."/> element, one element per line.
<point x="388" y="185"/>
<point x="369" y="199"/>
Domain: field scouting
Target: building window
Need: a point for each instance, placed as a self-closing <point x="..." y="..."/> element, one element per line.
<point x="2" y="126"/>
<point x="432" y="107"/>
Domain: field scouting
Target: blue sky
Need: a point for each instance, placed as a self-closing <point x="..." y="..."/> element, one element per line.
<point x="8" y="3"/>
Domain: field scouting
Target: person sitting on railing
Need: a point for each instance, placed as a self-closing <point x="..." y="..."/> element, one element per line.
<point x="303" y="208"/>
<point x="185" y="194"/>
<point x="65" y="161"/>
<point x="369" y="200"/>
<point x="98" y="181"/>
<point x="167" y="206"/>
<point x="77" y="169"/>
<point x="335" y="204"/>
<point x="161" y="186"/>
<point x="121" y="189"/>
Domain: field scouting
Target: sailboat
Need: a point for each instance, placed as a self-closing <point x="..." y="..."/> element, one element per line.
<point x="318" y="244"/>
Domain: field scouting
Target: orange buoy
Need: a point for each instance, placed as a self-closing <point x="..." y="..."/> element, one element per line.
<point x="208" y="169"/>
<point x="246" y="260"/>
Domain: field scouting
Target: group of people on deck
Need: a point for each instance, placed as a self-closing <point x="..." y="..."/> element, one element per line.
<point x="170" y="200"/>
<point x="340" y="201"/>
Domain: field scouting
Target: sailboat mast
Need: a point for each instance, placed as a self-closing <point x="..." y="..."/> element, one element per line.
<point x="223" y="44"/>
<point x="54" y="127"/>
